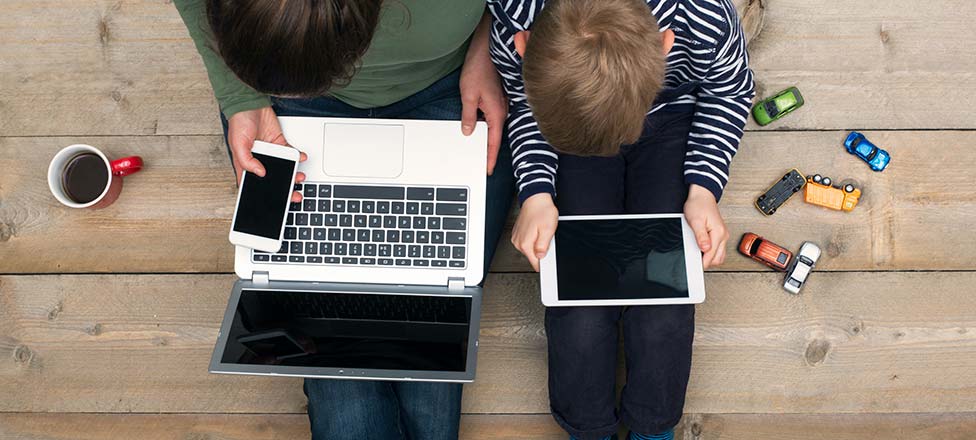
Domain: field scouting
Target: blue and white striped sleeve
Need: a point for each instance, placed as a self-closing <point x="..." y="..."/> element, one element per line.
<point x="720" y="114"/>
<point x="533" y="159"/>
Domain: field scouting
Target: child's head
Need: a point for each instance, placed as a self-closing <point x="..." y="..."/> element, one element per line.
<point x="592" y="69"/>
<point x="293" y="47"/>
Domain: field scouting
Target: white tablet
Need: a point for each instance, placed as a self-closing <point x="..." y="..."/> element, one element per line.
<point x="615" y="260"/>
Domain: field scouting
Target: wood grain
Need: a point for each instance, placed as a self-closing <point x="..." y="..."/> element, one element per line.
<point x="851" y="343"/>
<point x="54" y="426"/>
<point x="174" y="215"/>
<point x="128" y="67"/>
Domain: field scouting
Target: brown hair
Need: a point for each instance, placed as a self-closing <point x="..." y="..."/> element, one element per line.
<point x="592" y="69"/>
<point x="293" y="47"/>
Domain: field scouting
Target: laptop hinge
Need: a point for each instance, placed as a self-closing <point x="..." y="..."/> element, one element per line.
<point x="260" y="278"/>
<point x="455" y="285"/>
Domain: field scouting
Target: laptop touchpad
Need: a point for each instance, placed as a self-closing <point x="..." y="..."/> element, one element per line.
<point x="363" y="150"/>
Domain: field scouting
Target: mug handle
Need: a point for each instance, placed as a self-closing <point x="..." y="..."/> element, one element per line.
<point x="126" y="165"/>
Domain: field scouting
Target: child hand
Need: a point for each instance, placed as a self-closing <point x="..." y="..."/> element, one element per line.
<point x="535" y="227"/>
<point x="701" y="211"/>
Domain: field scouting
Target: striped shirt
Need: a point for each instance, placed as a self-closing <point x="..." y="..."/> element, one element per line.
<point x="709" y="54"/>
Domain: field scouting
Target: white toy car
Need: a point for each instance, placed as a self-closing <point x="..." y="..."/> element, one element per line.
<point x="805" y="259"/>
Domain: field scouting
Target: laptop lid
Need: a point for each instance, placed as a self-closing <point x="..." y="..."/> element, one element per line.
<point x="349" y="331"/>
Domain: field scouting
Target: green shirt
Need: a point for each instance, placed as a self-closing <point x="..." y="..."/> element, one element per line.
<point x="416" y="43"/>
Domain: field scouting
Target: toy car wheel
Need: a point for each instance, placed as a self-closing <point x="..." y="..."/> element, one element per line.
<point x="848" y="188"/>
<point x="772" y="211"/>
<point x="817" y="178"/>
<point x="826" y="181"/>
<point x="762" y="197"/>
<point x="796" y="188"/>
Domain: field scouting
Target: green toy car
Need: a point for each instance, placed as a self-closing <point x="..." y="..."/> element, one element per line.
<point x="771" y="109"/>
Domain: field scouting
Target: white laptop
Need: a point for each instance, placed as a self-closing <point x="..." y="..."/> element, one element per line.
<point x="377" y="277"/>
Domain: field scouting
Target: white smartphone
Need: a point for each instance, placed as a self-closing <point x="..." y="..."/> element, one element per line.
<point x="262" y="202"/>
<point x="620" y="260"/>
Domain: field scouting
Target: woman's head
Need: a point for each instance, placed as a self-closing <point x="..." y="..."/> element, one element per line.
<point x="293" y="47"/>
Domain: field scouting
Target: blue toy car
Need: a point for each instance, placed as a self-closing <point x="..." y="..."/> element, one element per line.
<point x="860" y="146"/>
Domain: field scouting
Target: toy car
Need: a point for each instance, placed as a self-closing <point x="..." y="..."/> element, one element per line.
<point x="820" y="192"/>
<point x="771" y="109"/>
<point x="780" y="192"/>
<point x="860" y="146"/>
<point x="805" y="259"/>
<point x="764" y="251"/>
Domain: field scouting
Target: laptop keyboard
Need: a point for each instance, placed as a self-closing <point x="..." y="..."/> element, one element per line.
<point x="366" y="225"/>
<point x="325" y="305"/>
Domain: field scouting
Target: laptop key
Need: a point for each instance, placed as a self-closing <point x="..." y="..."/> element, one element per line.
<point x="324" y="205"/>
<point x="332" y="260"/>
<point x="458" y="253"/>
<point x="350" y="260"/>
<point x="335" y="234"/>
<point x="319" y="234"/>
<point x="413" y="251"/>
<point x="434" y="223"/>
<point x="389" y="221"/>
<point x="423" y="237"/>
<point x="301" y="219"/>
<point x="325" y="190"/>
<point x="290" y="220"/>
<point x="427" y="208"/>
<point x="457" y="264"/>
<point x="345" y="220"/>
<point x="393" y="236"/>
<point x="413" y="208"/>
<point x="438" y="263"/>
<point x="304" y="233"/>
<point x="296" y="247"/>
<point x="369" y="207"/>
<point x="283" y="249"/>
<point x="375" y="221"/>
<point x="314" y="260"/>
<point x="355" y="249"/>
<point x="298" y="187"/>
<point x="295" y="206"/>
<point x="406" y="236"/>
<point x="444" y="252"/>
<point x="452" y="195"/>
<point x="369" y="250"/>
<point x="396" y="207"/>
<point x="368" y="192"/>
<point x="291" y="233"/>
<point x="402" y="262"/>
<point x="338" y="206"/>
<point x="420" y="193"/>
<point x="421" y="263"/>
<point x="385" y="250"/>
<point x="348" y="235"/>
<point x="419" y="223"/>
<point x="403" y="222"/>
<point x="437" y="237"/>
<point x="308" y="205"/>
<point x="362" y="235"/>
<point x="452" y="209"/>
<point x="296" y="259"/>
<point x="340" y="248"/>
<point x="310" y="190"/>
<point x="378" y="236"/>
<point x="325" y="248"/>
<point x="352" y="206"/>
<point x="382" y="207"/>
<point x="454" y="224"/>
<point x="331" y="220"/>
<point x="455" y="238"/>
<point x="367" y="261"/>
<point x="385" y="261"/>
<point x="279" y="258"/>
<point x="311" y="247"/>
<point x="360" y="221"/>
<point x="399" y="251"/>
<point x="430" y="251"/>
<point x="261" y="257"/>
<point x="315" y="219"/>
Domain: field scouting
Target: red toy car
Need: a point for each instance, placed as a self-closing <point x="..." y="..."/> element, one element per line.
<point x="765" y="251"/>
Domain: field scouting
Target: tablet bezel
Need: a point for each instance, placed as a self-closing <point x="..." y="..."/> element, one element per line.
<point x="693" y="267"/>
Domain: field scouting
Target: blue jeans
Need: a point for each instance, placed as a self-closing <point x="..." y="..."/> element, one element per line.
<point x="353" y="409"/>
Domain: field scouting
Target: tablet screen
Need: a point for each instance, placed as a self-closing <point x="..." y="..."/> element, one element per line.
<point x="620" y="259"/>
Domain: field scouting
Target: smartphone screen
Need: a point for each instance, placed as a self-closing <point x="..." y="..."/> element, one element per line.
<point x="264" y="200"/>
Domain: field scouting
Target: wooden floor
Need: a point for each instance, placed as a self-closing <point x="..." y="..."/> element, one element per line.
<point x="108" y="318"/>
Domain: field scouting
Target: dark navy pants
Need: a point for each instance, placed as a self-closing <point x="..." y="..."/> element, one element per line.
<point x="646" y="177"/>
<point x="355" y="409"/>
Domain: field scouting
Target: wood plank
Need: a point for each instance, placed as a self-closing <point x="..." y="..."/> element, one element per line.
<point x="174" y="215"/>
<point x="55" y="426"/>
<point x="851" y="343"/>
<point x="127" y="67"/>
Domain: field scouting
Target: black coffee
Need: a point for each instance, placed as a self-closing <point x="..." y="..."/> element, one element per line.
<point x="84" y="178"/>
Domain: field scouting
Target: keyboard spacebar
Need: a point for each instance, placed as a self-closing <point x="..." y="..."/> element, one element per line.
<point x="368" y="192"/>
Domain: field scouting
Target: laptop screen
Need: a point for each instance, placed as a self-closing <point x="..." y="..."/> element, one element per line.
<point x="350" y="330"/>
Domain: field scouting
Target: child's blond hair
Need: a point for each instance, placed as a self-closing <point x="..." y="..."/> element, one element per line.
<point x="592" y="69"/>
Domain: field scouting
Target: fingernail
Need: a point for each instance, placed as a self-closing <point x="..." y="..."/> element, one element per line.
<point x="466" y="129"/>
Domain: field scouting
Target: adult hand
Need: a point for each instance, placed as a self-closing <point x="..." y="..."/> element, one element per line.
<point x="535" y="227"/>
<point x="481" y="89"/>
<point x="243" y="129"/>
<point x="701" y="211"/>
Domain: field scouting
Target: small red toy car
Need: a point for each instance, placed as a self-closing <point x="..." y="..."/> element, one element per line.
<point x="765" y="251"/>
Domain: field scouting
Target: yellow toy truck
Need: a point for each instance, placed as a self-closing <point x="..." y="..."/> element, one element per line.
<point x="820" y="192"/>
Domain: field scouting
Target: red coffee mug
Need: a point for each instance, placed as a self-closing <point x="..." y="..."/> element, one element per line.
<point x="113" y="186"/>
